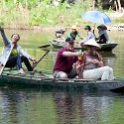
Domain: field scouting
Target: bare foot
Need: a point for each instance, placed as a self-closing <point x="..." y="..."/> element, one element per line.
<point x="21" y="71"/>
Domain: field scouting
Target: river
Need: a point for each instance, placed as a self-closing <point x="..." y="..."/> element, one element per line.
<point x="28" y="105"/>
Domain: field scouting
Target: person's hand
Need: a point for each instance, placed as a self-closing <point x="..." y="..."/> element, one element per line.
<point x="95" y="61"/>
<point x="81" y="43"/>
<point x="78" y="53"/>
<point x="97" y="38"/>
<point x="33" y="60"/>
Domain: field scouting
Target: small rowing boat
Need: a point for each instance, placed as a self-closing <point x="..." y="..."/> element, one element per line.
<point x="58" y="43"/>
<point x="44" y="79"/>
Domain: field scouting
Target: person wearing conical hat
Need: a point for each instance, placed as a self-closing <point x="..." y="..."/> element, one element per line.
<point x="92" y="64"/>
<point x="103" y="35"/>
<point x="73" y="33"/>
<point x="89" y="36"/>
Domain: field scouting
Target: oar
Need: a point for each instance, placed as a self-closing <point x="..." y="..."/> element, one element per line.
<point x="44" y="46"/>
<point x="3" y="66"/>
<point x="35" y="64"/>
<point x="47" y="51"/>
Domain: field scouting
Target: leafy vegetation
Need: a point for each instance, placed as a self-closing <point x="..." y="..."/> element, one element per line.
<point x="24" y="14"/>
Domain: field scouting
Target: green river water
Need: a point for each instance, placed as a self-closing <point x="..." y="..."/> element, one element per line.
<point x="28" y="105"/>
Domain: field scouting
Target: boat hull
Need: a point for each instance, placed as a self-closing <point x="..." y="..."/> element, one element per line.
<point x="104" y="47"/>
<point x="73" y="84"/>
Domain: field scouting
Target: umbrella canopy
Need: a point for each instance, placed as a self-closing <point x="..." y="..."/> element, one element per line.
<point x="96" y="17"/>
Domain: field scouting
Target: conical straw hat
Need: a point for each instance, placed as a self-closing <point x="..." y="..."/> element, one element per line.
<point x="103" y="27"/>
<point x="91" y="42"/>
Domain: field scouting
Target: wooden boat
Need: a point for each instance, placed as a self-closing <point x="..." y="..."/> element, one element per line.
<point x="44" y="79"/>
<point x="104" y="47"/>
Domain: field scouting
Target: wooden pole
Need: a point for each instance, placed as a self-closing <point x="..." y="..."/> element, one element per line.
<point x="119" y="5"/>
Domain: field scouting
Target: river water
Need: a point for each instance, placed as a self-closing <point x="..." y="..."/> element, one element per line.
<point x="27" y="105"/>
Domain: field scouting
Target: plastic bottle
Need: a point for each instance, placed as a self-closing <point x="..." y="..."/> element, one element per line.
<point x="80" y="58"/>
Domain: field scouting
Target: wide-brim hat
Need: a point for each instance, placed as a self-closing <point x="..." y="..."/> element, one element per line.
<point x="92" y="42"/>
<point x="74" y="27"/>
<point x="102" y="27"/>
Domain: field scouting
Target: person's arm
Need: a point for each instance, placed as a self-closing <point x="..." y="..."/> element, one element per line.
<point x="87" y="37"/>
<point x="99" y="63"/>
<point x="5" y="39"/>
<point x="78" y="34"/>
<point x="68" y="34"/>
<point x="22" y="52"/>
<point x="67" y="53"/>
<point x="101" y="33"/>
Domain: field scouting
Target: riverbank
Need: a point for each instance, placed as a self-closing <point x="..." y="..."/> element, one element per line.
<point x="43" y="18"/>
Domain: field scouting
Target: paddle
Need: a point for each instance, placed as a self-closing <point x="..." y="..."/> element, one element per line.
<point x="3" y="66"/>
<point x="35" y="64"/>
<point x="47" y="51"/>
<point x="44" y="46"/>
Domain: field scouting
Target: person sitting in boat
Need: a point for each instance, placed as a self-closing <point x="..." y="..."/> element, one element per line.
<point x="73" y="33"/>
<point x="92" y="64"/>
<point x="103" y="35"/>
<point x="59" y="33"/>
<point x="14" y="59"/>
<point x="66" y="57"/>
<point x="90" y="34"/>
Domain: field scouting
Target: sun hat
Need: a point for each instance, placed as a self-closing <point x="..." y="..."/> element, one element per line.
<point x="87" y="27"/>
<point x="91" y="42"/>
<point x="69" y="40"/>
<point x="103" y="27"/>
<point x="74" y="27"/>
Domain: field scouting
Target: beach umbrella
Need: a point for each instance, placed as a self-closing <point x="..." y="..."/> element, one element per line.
<point x="96" y="17"/>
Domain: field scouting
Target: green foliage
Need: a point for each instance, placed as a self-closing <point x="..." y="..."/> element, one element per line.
<point x="21" y="13"/>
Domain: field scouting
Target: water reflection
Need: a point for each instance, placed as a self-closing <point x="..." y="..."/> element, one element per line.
<point x="37" y="106"/>
<point x="68" y="108"/>
<point x="109" y="59"/>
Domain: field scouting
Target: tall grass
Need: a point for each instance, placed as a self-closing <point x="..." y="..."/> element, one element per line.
<point x="25" y="14"/>
<point x="36" y="13"/>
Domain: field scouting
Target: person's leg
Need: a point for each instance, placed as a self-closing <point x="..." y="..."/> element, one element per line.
<point x="15" y="61"/>
<point x="104" y="38"/>
<point x="107" y="74"/>
<point x="103" y="73"/>
<point x="60" y="74"/>
<point x="27" y="63"/>
<point x="72" y="73"/>
<point x="12" y="61"/>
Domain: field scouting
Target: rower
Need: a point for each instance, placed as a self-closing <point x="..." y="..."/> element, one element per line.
<point x="103" y="35"/>
<point x="89" y="36"/>
<point x="13" y="54"/>
<point x="73" y="33"/>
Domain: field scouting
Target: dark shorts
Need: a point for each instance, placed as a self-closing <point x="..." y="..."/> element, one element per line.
<point x="71" y="74"/>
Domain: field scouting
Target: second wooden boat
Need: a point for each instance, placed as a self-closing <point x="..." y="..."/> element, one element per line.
<point x="104" y="47"/>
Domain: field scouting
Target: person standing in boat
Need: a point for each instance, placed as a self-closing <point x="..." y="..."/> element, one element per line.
<point x="103" y="35"/>
<point x="17" y="55"/>
<point x="92" y="64"/>
<point x="73" y="33"/>
<point x="90" y="35"/>
<point x="65" y="60"/>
